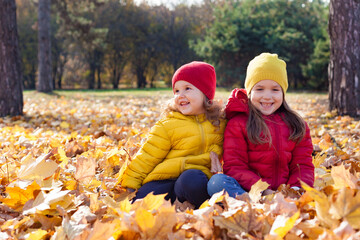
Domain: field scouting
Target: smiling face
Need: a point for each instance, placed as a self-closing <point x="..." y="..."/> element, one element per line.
<point x="266" y="96"/>
<point x="189" y="100"/>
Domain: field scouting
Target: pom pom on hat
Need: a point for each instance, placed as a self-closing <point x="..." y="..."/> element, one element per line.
<point x="266" y="66"/>
<point x="200" y="74"/>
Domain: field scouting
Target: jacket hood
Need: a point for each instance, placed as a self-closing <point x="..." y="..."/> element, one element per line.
<point x="237" y="103"/>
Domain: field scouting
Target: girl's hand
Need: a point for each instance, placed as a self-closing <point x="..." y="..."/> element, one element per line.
<point x="215" y="163"/>
<point x="268" y="192"/>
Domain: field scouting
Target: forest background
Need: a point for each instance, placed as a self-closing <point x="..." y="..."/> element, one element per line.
<point x="118" y="44"/>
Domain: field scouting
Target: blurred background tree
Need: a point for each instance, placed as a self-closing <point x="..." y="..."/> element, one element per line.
<point x="11" y="91"/>
<point x="119" y="44"/>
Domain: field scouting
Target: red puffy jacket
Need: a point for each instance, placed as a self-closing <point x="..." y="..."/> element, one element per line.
<point x="284" y="162"/>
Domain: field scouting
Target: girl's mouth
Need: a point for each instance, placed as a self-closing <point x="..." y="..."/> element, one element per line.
<point x="184" y="103"/>
<point x="266" y="105"/>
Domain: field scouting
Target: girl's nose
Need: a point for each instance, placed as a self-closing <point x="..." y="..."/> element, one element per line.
<point x="267" y="95"/>
<point x="181" y="93"/>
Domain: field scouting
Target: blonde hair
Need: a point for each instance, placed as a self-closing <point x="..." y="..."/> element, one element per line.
<point x="259" y="133"/>
<point x="214" y="110"/>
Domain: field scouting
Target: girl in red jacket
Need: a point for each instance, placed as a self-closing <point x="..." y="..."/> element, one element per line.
<point x="264" y="139"/>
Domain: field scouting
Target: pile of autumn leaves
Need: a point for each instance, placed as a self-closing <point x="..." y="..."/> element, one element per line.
<point x="60" y="164"/>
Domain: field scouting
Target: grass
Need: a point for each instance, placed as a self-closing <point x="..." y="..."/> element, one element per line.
<point x="221" y="93"/>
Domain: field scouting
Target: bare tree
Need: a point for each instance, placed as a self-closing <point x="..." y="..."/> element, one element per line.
<point x="11" y="96"/>
<point x="344" y="66"/>
<point x="45" y="83"/>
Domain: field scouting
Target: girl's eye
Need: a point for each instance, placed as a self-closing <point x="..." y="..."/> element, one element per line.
<point x="188" y="88"/>
<point x="176" y="91"/>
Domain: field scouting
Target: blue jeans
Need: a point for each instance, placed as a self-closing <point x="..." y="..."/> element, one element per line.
<point x="219" y="182"/>
<point x="190" y="186"/>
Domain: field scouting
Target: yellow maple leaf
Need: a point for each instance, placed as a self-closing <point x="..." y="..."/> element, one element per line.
<point x="38" y="234"/>
<point x="354" y="218"/>
<point x="256" y="189"/>
<point x="343" y="178"/>
<point x="144" y="219"/>
<point x="17" y="196"/>
<point x="125" y="205"/>
<point x="41" y="168"/>
<point x="64" y="125"/>
<point x="346" y="205"/>
<point x="283" y="225"/>
<point x="322" y="205"/>
<point x="151" y="201"/>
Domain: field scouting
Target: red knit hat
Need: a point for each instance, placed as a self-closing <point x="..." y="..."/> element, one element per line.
<point x="200" y="74"/>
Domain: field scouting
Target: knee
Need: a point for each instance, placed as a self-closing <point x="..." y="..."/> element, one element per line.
<point x="192" y="179"/>
<point x="216" y="184"/>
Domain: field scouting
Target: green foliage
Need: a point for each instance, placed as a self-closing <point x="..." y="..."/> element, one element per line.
<point x="316" y="70"/>
<point x="119" y="43"/>
<point x="244" y="28"/>
<point x="28" y="43"/>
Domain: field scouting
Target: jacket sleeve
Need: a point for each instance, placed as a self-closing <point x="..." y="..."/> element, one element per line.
<point x="301" y="166"/>
<point x="152" y="153"/>
<point x="236" y="161"/>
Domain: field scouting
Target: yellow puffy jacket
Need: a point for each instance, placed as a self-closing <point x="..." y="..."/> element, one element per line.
<point x="175" y="143"/>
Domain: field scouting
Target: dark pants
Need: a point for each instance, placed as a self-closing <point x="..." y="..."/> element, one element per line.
<point x="190" y="186"/>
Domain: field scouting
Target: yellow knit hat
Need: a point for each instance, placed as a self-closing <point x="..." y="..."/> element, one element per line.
<point x="266" y="66"/>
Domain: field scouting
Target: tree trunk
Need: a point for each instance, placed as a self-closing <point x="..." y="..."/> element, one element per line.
<point x="91" y="77"/>
<point x="45" y="83"/>
<point x="141" y="79"/>
<point x="98" y="70"/>
<point x="11" y="96"/>
<point x="344" y="66"/>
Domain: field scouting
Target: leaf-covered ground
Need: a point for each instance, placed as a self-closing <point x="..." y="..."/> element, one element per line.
<point x="61" y="161"/>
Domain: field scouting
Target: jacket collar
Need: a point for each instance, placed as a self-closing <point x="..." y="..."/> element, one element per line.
<point x="178" y="115"/>
<point x="237" y="103"/>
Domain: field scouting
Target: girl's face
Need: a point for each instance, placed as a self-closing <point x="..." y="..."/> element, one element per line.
<point x="266" y="96"/>
<point x="189" y="100"/>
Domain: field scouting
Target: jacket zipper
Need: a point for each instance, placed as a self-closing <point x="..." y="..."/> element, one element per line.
<point x="202" y="135"/>
<point x="277" y="154"/>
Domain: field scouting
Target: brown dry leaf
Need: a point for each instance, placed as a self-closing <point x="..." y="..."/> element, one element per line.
<point x="310" y="229"/>
<point x="48" y="222"/>
<point x="240" y="222"/>
<point x="101" y="230"/>
<point x="215" y="163"/>
<point x="85" y="169"/>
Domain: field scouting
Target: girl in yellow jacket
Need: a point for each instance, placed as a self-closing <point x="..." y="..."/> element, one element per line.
<point x="175" y="159"/>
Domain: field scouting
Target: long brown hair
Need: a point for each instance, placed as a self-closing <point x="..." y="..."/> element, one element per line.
<point x="258" y="132"/>
<point x="214" y="110"/>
